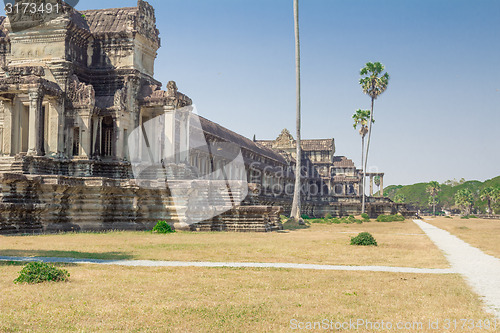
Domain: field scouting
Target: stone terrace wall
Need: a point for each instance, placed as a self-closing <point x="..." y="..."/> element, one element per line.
<point x="339" y="207"/>
<point x="38" y="204"/>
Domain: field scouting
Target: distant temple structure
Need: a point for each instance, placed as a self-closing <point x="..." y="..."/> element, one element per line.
<point x="72" y="91"/>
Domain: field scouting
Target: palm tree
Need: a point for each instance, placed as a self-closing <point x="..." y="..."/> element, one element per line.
<point x="433" y="189"/>
<point x="374" y="83"/>
<point x="433" y="201"/>
<point x="489" y="195"/>
<point x="377" y="182"/>
<point x="361" y="118"/>
<point x="464" y="199"/>
<point x="496" y="195"/>
<point x="296" y="194"/>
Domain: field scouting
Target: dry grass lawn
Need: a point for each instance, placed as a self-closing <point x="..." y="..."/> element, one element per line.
<point x="481" y="233"/>
<point x="400" y="244"/>
<point x="104" y="299"/>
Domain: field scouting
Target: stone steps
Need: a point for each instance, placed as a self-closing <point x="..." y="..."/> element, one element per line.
<point x="10" y="165"/>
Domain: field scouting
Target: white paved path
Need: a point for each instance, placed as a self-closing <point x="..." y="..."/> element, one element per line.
<point x="152" y="263"/>
<point x="481" y="271"/>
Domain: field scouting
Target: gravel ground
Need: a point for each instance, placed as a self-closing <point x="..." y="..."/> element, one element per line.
<point x="481" y="271"/>
<point x="151" y="263"/>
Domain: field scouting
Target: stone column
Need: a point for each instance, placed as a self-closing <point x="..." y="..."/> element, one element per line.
<point x="371" y="185"/>
<point x="169" y="130"/>
<point x="7" y="128"/>
<point x="184" y="136"/>
<point x="85" y="137"/>
<point x="59" y="113"/>
<point x="98" y="136"/>
<point x="381" y="185"/>
<point x="119" y="138"/>
<point x="35" y="141"/>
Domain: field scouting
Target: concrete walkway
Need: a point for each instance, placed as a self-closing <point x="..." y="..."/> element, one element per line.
<point x="152" y="263"/>
<point x="480" y="270"/>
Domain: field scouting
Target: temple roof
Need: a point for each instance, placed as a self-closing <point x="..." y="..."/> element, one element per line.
<point x="343" y="162"/>
<point x="219" y="131"/>
<point x="110" y="20"/>
<point x="140" y="19"/>
<point x="317" y="144"/>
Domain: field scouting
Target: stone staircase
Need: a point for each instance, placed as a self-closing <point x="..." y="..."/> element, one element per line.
<point x="10" y="165"/>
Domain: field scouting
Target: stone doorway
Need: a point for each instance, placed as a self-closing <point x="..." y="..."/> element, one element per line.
<point x="107" y="137"/>
<point x="21" y="134"/>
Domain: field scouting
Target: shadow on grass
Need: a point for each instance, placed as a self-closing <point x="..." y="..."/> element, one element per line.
<point x="66" y="254"/>
<point x="23" y="263"/>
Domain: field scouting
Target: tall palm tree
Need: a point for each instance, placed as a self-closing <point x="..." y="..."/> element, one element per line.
<point x="489" y="195"/>
<point x="361" y="118"/>
<point x="433" y="189"/>
<point x="373" y="83"/>
<point x="464" y="199"/>
<point x="296" y="194"/>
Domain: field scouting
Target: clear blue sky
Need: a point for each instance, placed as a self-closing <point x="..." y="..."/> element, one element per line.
<point x="438" y="120"/>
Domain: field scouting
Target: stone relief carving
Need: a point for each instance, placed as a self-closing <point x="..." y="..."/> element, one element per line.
<point x="285" y="139"/>
<point x="171" y="89"/>
<point x="79" y="93"/>
<point x="146" y="23"/>
<point x="26" y="71"/>
<point x="120" y="99"/>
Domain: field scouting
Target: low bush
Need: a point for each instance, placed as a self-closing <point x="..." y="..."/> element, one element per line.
<point x="364" y="239"/>
<point x="38" y="272"/>
<point x="447" y="217"/>
<point x="464" y="217"/>
<point x="328" y="216"/>
<point x="162" y="227"/>
<point x="390" y="218"/>
<point x="304" y="217"/>
<point x="365" y="216"/>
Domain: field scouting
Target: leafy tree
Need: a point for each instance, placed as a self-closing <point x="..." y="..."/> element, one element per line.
<point x="399" y="198"/>
<point x="489" y="194"/>
<point x="296" y="195"/>
<point x="361" y="118"/>
<point x="464" y="199"/>
<point x="433" y="189"/>
<point x="373" y="82"/>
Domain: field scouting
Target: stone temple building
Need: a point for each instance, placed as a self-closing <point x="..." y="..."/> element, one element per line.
<point x="72" y="92"/>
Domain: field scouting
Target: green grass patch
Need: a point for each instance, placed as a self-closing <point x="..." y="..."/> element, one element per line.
<point x="390" y="218"/>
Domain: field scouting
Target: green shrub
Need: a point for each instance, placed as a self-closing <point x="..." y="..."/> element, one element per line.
<point x="328" y="216"/>
<point x="336" y="220"/>
<point x="304" y="217"/>
<point x="364" y="238"/>
<point x="464" y="217"/>
<point x="472" y="216"/>
<point x="38" y="272"/>
<point x="447" y="217"/>
<point x="365" y="216"/>
<point x="162" y="227"/>
<point x="390" y="218"/>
